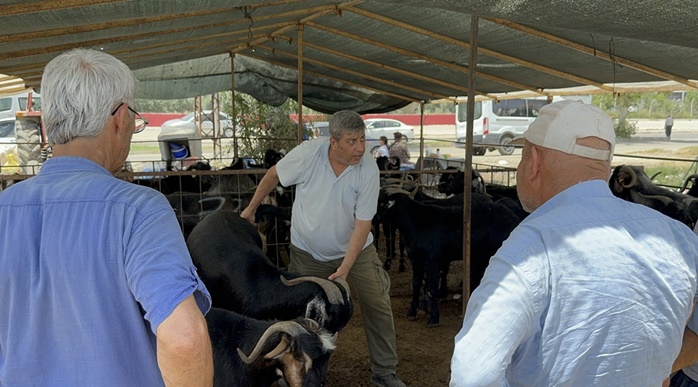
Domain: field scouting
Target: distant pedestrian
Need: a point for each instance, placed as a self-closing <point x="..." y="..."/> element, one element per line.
<point x="668" y="124"/>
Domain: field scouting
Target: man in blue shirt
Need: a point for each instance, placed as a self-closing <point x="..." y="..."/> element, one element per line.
<point x="97" y="286"/>
<point x="589" y="289"/>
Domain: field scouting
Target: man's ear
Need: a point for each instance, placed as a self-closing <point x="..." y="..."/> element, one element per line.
<point x="536" y="163"/>
<point x="120" y="120"/>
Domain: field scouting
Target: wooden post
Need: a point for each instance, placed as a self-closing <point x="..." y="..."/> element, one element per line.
<point x="467" y="197"/>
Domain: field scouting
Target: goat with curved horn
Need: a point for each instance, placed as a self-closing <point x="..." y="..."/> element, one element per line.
<point x="625" y="173"/>
<point x="290" y="327"/>
<point x="332" y="291"/>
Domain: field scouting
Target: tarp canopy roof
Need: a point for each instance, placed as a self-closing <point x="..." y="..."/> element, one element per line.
<point x="368" y="56"/>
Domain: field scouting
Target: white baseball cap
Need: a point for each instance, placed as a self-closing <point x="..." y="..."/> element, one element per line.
<point x="560" y="124"/>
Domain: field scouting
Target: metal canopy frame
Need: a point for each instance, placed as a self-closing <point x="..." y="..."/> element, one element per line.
<point x="404" y="51"/>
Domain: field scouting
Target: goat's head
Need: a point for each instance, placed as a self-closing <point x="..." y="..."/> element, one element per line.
<point x="299" y="350"/>
<point x="333" y="308"/>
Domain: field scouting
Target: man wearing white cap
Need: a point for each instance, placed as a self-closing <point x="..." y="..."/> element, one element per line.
<point x="589" y="289"/>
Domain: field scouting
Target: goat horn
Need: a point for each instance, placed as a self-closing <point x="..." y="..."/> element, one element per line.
<point x="392" y="191"/>
<point x="624" y="169"/>
<point x="655" y="175"/>
<point x="290" y="327"/>
<point x="343" y="283"/>
<point x="690" y="179"/>
<point x="392" y="180"/>
<point x="413" y="192"/>
<point x="664" y="199"/>
<point x="332" y="291"/>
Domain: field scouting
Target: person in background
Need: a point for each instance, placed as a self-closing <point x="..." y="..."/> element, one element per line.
<point x="668" y="124"/>
<point x="383" y="148"/>
<point x="336" y="198"/>
<point x="399" y="150"/>
<point x="589" y="289"/>
<point x="97" y="286"/>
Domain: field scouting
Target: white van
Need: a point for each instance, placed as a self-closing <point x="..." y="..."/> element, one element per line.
<point x="10" y="104"/>
<point x="496" y="123"/>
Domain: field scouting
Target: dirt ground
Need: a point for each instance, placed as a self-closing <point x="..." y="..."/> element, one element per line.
<point x="424" y="353"/>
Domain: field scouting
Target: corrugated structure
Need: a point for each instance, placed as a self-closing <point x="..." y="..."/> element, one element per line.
<point x="369" y="56"/>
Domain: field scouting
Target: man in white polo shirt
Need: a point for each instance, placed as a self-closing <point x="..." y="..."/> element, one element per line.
<point x="336" y="197"/>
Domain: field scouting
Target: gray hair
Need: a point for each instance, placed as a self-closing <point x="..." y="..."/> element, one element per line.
<point x="79" y="90"/>
<point x="345" y="121"/>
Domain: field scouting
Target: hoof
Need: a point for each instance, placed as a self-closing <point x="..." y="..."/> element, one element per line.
<point x="386" y="265"/>
<point x="432" y="325"/>
<point x="411" y="318"/>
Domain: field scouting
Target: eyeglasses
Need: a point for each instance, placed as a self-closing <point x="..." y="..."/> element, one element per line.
<point x="140" y="121"/>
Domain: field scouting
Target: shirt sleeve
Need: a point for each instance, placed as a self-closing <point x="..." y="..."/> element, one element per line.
<point x="500" y="315"/>
<point x="367" y="200"/>
<point x="159" y="269"/>
<point x="292" y="167"/>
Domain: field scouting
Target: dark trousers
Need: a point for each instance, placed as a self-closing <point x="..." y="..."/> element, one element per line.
<point x="681" y="380"/>
<point x="667" y="130"/>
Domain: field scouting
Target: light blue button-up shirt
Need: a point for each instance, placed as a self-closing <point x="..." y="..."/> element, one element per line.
<point x="588" y="290"/>
<point x="90" y="267"/>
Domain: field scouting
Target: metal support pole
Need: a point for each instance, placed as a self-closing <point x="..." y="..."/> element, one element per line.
<point x="467" y="197"/>
<point x="421" y="136"/>
<point x="300" y="83"/>
<point x="234" y="115"/>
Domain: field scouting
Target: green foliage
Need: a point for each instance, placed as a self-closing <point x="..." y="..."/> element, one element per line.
<point x="434" y="107"/>
<point x="653" y="105"/>
<point x="165" y="105"/>
<point x="668" y="174"/>
<point x="625" y="129"/>
<point x="263" y="126"/>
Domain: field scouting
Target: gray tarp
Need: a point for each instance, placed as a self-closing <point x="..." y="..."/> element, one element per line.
<point x="370" y="56"/>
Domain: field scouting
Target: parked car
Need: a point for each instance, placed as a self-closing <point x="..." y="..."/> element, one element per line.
<point x="188" y="122"/>
<point x="7" y="134"/>
<point x="322" y="128"/>
<point x="497" y="123"/>
<point x="12" y="103"/>
<point x="377" y="127"/>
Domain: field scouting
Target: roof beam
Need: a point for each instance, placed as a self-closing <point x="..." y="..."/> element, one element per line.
<point x="356" y="73"/>
<point x="49" y="5"/>
<point x="389" y="68"/>
<point x="150" y="55"/>
<point x="593" y="51"/>
<point x="14" y="70"/>
<point x="413" y="54"/>
<point x="11" y="82"/>
<point x="227" y="42"/>
<point x="335" y="9"/>
<point x="252" y="55"/>
<point x="144" y="20"/>
<point x="13" y="89"/>
<point x="319" y="11"/>
<point x="492" y="53"/>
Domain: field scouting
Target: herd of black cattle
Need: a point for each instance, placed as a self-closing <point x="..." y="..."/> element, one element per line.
<point x="271" y="326"/>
